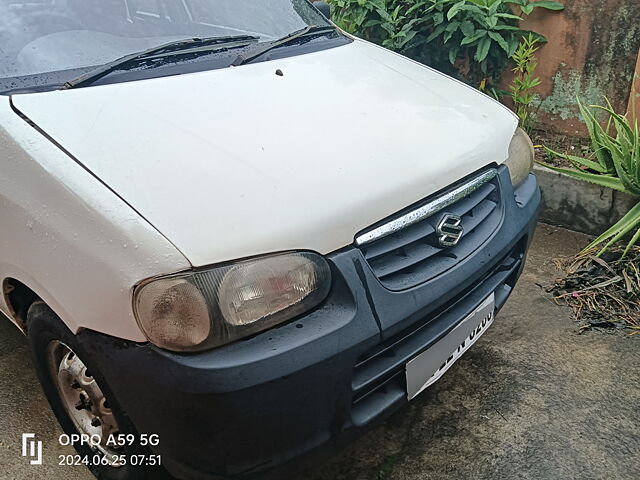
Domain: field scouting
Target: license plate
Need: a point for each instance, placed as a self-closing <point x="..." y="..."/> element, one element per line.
<point x="431" y="364"/>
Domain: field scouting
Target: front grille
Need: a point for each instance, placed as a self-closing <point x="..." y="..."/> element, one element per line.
<point x="405" y="251"/>
<point x="379" y="375"/>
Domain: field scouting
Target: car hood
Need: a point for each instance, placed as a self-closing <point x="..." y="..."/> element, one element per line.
<point x="242" y="161"/>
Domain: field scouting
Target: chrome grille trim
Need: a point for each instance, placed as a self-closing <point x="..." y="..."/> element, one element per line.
<point x="427" y="210"/>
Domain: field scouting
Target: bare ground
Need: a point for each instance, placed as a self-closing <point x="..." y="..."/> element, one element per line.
<point x="531" y="400"/>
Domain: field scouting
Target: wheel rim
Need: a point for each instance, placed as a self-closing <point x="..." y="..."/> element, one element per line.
<point x="83" y="399"/>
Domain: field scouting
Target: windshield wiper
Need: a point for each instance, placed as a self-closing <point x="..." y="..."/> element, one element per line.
<point x="177" y="46"/>
<point x="262" y="48"/>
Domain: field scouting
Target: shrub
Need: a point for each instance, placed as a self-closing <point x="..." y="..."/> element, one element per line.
<point x="470" y="39"/>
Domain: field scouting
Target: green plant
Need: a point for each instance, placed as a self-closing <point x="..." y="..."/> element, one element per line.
<point x="354" y="15"/>
<point x="470" y="39"/>
<point x="474" y="39"/>
<point x="390" y="23"/>
<point x="615" y="163"/>
<point x="524" y="80"/>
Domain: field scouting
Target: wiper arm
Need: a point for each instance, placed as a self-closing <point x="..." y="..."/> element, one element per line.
<point x="265" y="47"/>
<point x="177" y="46"/>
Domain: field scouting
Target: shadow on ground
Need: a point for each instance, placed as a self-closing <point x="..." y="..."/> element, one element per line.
<point x="531" y="400"/>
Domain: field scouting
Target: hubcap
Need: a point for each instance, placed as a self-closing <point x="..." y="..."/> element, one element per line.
<point x="83" y="399"/>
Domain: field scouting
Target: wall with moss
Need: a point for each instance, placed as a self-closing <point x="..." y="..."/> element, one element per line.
<point x="592" y="53"/>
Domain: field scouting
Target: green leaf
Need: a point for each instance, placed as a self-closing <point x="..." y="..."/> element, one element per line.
<point x="577" y="161"/>
<point x="407" y="38"/>
<point x="361" y="16"/>
<point x="632" y="242"/>
<point x="513" y="46"/>
<point x="491" y="22"/>
<point x="508" y="15"/>
<point x="477" y="36"/>
<point x="597" y="136"/>
<point x="453" y="26"/>
<point x="453" y="11"/>
<point x="500" y="40"/>
<point x="384" y="15"/>
<point x="467" y="28"/>
<point x="436" y="33"/>
<point x="387" y="27"/>
<point x="475" y="10"/>
<point x="627" y="223"/>
<point x="483" y="49"/>
<point x="453" y="55"/>
<point x="508" y="27"/>
<point x="549" y="5"/>
<point x="416" y="6"/>
<point x="396" y="13"/>
<point x="448" y="36"/>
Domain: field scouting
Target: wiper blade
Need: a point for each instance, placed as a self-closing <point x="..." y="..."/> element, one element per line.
<point x="177" y="46"/>
<point x="265" y="47"/>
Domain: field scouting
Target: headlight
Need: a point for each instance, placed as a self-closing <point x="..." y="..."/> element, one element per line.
<point x="199" y="310"/>
<point x="520" y="161"/>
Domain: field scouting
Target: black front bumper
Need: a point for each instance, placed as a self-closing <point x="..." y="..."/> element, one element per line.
<point x="251" y="406"/>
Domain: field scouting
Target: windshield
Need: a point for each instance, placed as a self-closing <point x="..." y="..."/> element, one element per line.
<point x="39" y="38"/>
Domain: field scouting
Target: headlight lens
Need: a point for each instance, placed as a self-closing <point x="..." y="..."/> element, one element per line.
<point x="199" y="310"/>
<point x="521" y="154"/>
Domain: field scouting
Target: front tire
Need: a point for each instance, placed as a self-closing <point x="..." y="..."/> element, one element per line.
<point x="81" y="399"/>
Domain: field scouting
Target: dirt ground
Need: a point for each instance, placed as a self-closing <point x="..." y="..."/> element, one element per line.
<point x="561" y="143"/>
<point x="531" y="400"/>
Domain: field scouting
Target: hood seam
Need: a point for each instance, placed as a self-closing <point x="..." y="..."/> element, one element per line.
<point x="39" y="129"/>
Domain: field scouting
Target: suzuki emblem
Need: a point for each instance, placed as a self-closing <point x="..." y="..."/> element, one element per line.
<point x="449" y="230"/>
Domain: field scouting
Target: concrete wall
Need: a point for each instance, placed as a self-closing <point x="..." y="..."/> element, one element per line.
<point x="592" y="52"/>
<point x="579" y="205"/>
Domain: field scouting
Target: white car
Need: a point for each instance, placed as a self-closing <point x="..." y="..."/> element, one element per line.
<point x="234" y="234"/>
